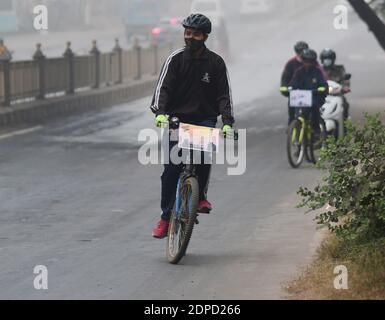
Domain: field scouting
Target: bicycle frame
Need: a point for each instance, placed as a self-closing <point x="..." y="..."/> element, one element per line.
<point x="304" y="124"/>
<point x="187" y="172"/>
<point x="302" y="132"/>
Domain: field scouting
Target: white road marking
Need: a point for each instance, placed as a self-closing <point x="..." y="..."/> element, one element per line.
<point x="20" y="132"/>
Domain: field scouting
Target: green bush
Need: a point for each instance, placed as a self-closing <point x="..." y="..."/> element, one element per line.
<point x="353" y="189"/>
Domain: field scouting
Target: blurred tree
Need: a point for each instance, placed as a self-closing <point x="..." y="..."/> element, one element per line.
<point x="370" y="17"/>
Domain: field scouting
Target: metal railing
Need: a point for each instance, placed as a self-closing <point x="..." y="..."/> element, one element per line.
<point x="43" y="78"/>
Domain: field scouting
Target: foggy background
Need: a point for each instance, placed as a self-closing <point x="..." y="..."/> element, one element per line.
<point x="81" y="21"/>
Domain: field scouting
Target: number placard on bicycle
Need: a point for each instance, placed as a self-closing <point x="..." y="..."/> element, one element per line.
<point x="301" y="98"/>
<point x="198" y="138"/>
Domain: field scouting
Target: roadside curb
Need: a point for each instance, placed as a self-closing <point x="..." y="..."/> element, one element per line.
<point x="38" y="111"/>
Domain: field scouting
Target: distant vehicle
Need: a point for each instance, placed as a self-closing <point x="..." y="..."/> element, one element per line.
<point x="168" y="30"/>
<point x="218" y="41"/>
<point x="211" y="9"/>
<point x="140" y="16"/>
<point x="251" y="7"/>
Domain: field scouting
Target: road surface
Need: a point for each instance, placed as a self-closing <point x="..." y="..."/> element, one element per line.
<point x="74" y="198"/>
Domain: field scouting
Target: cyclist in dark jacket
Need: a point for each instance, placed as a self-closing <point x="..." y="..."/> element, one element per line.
<point x="310" y="77"/>
<point x="293" y="64"/>
<point x="193" y="86"/>
<point x="291" y="67"/>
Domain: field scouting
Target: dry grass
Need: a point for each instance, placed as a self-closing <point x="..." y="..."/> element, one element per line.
<point x="366" y="272"/>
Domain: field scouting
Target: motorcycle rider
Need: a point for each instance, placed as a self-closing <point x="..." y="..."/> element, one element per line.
<point x="336" y="73"/>
<point x="193" y="86"/>
<point x="310" y="77"/>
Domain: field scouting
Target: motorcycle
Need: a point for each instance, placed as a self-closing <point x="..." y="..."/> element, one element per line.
<point x="332" y="112"/>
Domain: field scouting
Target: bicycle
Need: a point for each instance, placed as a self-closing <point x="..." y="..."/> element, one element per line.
<point x="184" y="214"/>
<point x="301" y="140"/>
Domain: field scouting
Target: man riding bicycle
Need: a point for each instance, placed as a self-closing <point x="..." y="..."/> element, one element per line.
<point x="311" y="77"/>
<point x="291" y="67"/>
<point x="193" y="86"/>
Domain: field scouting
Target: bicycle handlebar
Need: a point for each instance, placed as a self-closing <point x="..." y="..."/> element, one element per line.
<point x="174" y="123"/>
<point x="319" y="90"/>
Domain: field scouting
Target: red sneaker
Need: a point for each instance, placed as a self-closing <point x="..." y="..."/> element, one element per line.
<point x="204" y="206"/>
<point x="161" y="229"/>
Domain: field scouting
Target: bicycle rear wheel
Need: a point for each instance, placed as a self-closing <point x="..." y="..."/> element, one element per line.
<point x="182" y="220"/>
<point x="295" y="146"/>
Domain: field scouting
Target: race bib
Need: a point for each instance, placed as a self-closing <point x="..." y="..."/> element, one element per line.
<point x="198" y="138"/>
<point x="301" y="98"/>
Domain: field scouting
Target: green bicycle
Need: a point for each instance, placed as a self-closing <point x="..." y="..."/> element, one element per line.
<point x="301" y="139"/>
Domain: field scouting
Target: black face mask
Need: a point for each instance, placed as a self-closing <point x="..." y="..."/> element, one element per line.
<point x="194" y="45"/>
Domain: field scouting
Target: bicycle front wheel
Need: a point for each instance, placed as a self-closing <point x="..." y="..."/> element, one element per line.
<point x="295" y="146"/>
<point x="182" y="220"/>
